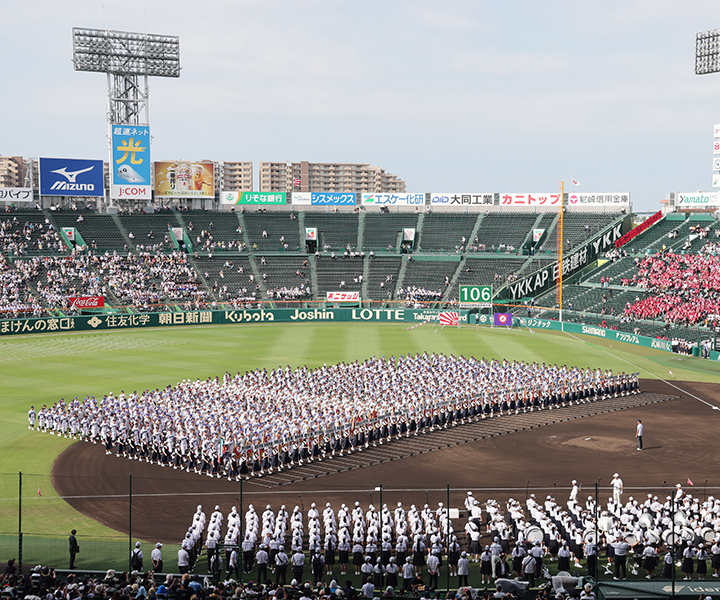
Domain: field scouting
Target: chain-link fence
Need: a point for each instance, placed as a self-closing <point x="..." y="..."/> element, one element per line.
<point x="36" y="523"/>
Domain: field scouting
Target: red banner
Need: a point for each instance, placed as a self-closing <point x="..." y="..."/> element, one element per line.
<point x="639" y="229"/>
<point x="87" y="301"/>
<point x="343" y="296"/>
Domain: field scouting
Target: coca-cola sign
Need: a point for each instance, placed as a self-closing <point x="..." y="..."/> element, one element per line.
<point x="87" y="301"/>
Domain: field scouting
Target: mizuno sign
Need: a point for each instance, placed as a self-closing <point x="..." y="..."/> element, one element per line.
<point x="71" y="177"/>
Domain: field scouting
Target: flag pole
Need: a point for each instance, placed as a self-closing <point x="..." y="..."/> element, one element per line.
<point x="560" y="243"/>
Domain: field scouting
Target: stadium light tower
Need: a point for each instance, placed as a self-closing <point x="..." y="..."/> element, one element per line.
<point x="707" y="52"/>
<point x="126" y="58"/>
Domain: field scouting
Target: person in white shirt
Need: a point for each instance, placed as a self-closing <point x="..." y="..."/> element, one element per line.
<point x="368" y="589"/>
<point x="639" y="434"/>
<point x="157" y="559"/>
<point x="617" y="484"/>
<point x="183" y="561"/>
<point x="463" y="569"/>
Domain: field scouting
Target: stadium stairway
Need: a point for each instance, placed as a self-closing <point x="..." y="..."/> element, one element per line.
<point x="450" y="289"/>
<point x="364" y="289"/>
<point x="361" y="238"/>
<point x="313" y="275"/>
<point x="475" y="229"/>
<point x="201" y="277"/>
<point x="418" y="233"/>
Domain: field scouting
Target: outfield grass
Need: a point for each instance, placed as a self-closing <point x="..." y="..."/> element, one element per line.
<point x="41" y="369"/>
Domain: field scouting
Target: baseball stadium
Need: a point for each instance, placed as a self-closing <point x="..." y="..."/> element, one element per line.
<point x="343" y="389"/>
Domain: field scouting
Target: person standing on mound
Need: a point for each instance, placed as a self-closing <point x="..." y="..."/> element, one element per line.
<point x="639" y="434"/>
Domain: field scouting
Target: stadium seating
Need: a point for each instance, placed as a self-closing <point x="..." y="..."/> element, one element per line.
<point x="579" y="227"/>
<point x="446" y="232"/>
<point x="383" y="231"/>
<point x="100" y="232"/>
<point x="379" y="287"/>
<point x="29" y="233"/>
<point x="336" y="231"/>
<point x="213" y="232"/>
<point x="335" y="274"/>
<point x="150" y="231"/>
<point x="499" y="230"/>
<point x="271" y="232"/>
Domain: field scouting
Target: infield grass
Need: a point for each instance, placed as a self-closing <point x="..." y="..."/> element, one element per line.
<point x="37" y="370"/>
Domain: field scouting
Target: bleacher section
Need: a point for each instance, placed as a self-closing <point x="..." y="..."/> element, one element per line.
<point x="272" y="232"/>
<point x="383" y="231"/>
<point x="579" y="227"/>
<point x="235" y="264"/>
<point x="379" y="287"/>
<point x="615" y="270"/>
<point x="446" y="232"/>
<point x="653" y="238"/>
<point x="214" y="232"/>
<point x="284" y="273"/>
<point x="150" y="231"/>
<point x="28" y="233"/>
<point x="100" y="232"/>
<point x="335" y="274"/>
<point x="499" y="230"/>
<point x="228" y="278"/>
<point x="428" y="274"/>
<point x="336" y="231"/>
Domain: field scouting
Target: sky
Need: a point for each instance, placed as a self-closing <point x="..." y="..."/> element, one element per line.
<point x="451" y="96"/>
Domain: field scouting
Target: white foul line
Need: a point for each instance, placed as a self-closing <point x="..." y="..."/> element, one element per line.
<point x="665" y="381"/>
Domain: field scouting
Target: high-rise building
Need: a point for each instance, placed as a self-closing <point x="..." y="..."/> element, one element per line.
<point x="12" y="171"/>
<point x="234" y="175"/>
<point x="305" y="176"/>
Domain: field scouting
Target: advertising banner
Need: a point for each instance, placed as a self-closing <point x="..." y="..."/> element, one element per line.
<point x="716" y="147"/>
<point x="332" y="199"/>
<point x="184" y="179"/>
<point x="450" y="318"/>
<point x="537" y="234"/>
<point x="80" y="302"/>
<point x="343" y="296"/>
<point x="599" y="199"/>
<point x="536" y="199"/>
<point x="16" y="194"/>
<point x="502" y="319"/>
<point x="302" y="198"/>
<point x="716" y="130"/>
<point x="220" y="317"/>
<point x="71" y="177"/>
<point x="131" y="169"/>
<point x="716" y="164"/>
<point x="636" y="231"/>
<point x="393" y="199"/>
<point x="253" y="197"/>
<point x="311" y="234"/>
<point x="462" y="199"/>
<point x="698" y="199"/>
<point x="69" y="233"/>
